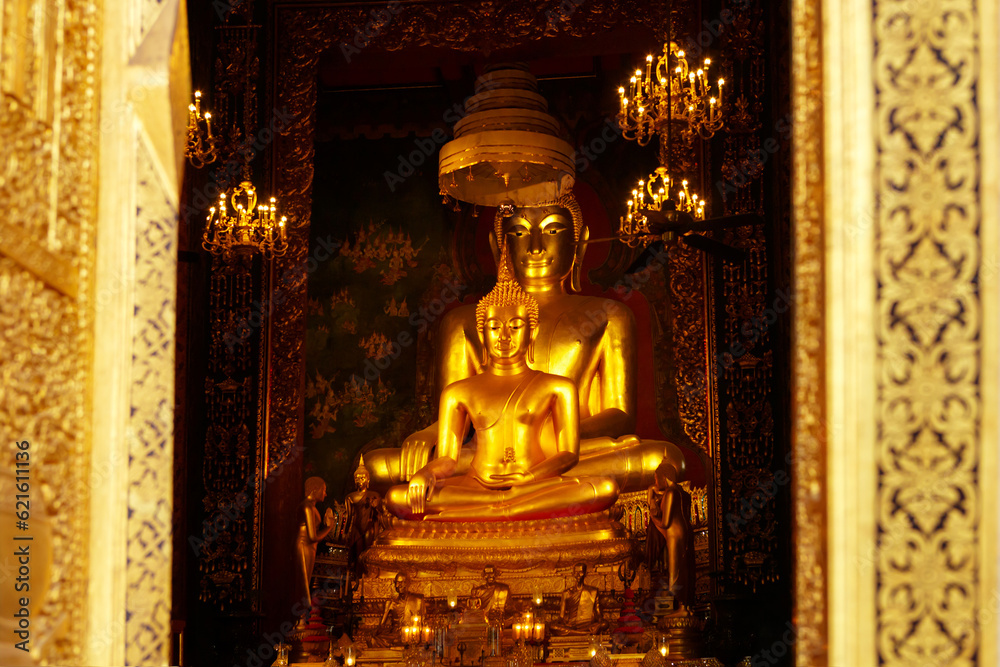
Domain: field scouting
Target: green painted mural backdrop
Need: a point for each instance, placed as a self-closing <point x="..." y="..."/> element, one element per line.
<point x="370" y="307"/>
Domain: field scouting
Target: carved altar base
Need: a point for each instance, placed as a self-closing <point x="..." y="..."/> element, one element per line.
<point x="446" y="560"/>
<point x="439" y="546"/>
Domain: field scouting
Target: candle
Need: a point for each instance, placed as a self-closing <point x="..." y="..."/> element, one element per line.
<point x="427" y="634"/>
<point x="517" y="631"/>
<point x="539" y="632"/>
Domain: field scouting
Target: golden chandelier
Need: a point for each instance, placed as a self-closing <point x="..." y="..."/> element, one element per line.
<point x="674" y="94"/>
<point x="652" y="195"/>
<point x="245" y="226"/>
<point x="668" y="95"/>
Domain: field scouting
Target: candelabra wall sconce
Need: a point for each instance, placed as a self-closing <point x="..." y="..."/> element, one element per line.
<point x="202" y="145"/>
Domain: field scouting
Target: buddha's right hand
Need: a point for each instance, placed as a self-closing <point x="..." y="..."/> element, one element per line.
<point x="416" y="451"/>
<point x="421" y="485"/>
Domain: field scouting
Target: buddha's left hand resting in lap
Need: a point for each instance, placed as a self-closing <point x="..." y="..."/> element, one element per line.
<point x="528" y="430"/>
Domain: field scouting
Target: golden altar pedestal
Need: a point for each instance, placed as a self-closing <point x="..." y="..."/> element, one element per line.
<point x="546" y="545"/>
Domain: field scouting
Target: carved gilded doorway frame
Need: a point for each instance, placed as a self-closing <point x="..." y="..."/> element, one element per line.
<point x="895" y="343"/>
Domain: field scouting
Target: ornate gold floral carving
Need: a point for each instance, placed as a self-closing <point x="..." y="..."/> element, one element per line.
<point x="690" y="329"/>
<point x="809" y="416"/>
<point x="928" y="317"/>
<point x="748" y="545"/>
<point x="47" y="183"/>
<point x="44" y="379"/>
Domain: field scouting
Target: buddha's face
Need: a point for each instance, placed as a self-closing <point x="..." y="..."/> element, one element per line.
<point x="490" y="575"/>
<point x="541" y="245"/>
<point x="400" y="583"/>
<point x="361" y="481"/>
<point x="507" y="333"/>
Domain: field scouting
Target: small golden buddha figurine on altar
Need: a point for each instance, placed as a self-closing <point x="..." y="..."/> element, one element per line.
<point x="311" y="533"/>
<point x="397" y="613"/>
<point x="579" y="609"/>
<point x="491" y="596"/>
<point x="527" y="426"/>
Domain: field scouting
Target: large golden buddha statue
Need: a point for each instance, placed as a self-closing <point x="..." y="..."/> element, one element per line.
<point x="527" y="427"/>
<point x="507" y="153"/>
<point x="590" y="341"/>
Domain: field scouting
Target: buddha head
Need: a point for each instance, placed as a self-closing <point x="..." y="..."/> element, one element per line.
<point x="545" y="243"/>
<point x="361" y="475"/>
<point x="507" y="321"/>
<point x="490" y="574"/>
<point x="315" y="489"/>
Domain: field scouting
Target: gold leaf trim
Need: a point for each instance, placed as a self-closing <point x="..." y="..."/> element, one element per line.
<point x="808" y="349"/>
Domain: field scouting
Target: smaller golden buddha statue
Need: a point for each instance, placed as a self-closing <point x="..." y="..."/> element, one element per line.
<point x="311" y="533"/>
<point x="363" y="509"/>
<point x="397" y="613"/>
<point x="579" y="609"/>
<point x="490" y="597"/>
<point x="527" y="425"/>
<point x="669" y="532"/>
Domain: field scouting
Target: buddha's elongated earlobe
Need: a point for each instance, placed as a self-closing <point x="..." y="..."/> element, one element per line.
<point x="579" y="251"/>
<point x="531" y="346"/>
<point x="496" y="239"/>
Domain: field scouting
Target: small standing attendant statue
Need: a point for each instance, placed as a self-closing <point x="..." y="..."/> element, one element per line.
<point x="669" y="532"/>
<point x="311" y="533"/>
<point x="580" y="609"/>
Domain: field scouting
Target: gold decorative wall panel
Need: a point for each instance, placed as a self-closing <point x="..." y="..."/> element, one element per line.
<point x="929" y="331"/>
<point x="49" y="131"/>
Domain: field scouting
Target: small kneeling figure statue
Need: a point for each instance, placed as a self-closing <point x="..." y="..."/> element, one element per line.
<point x="527" y="426"/>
